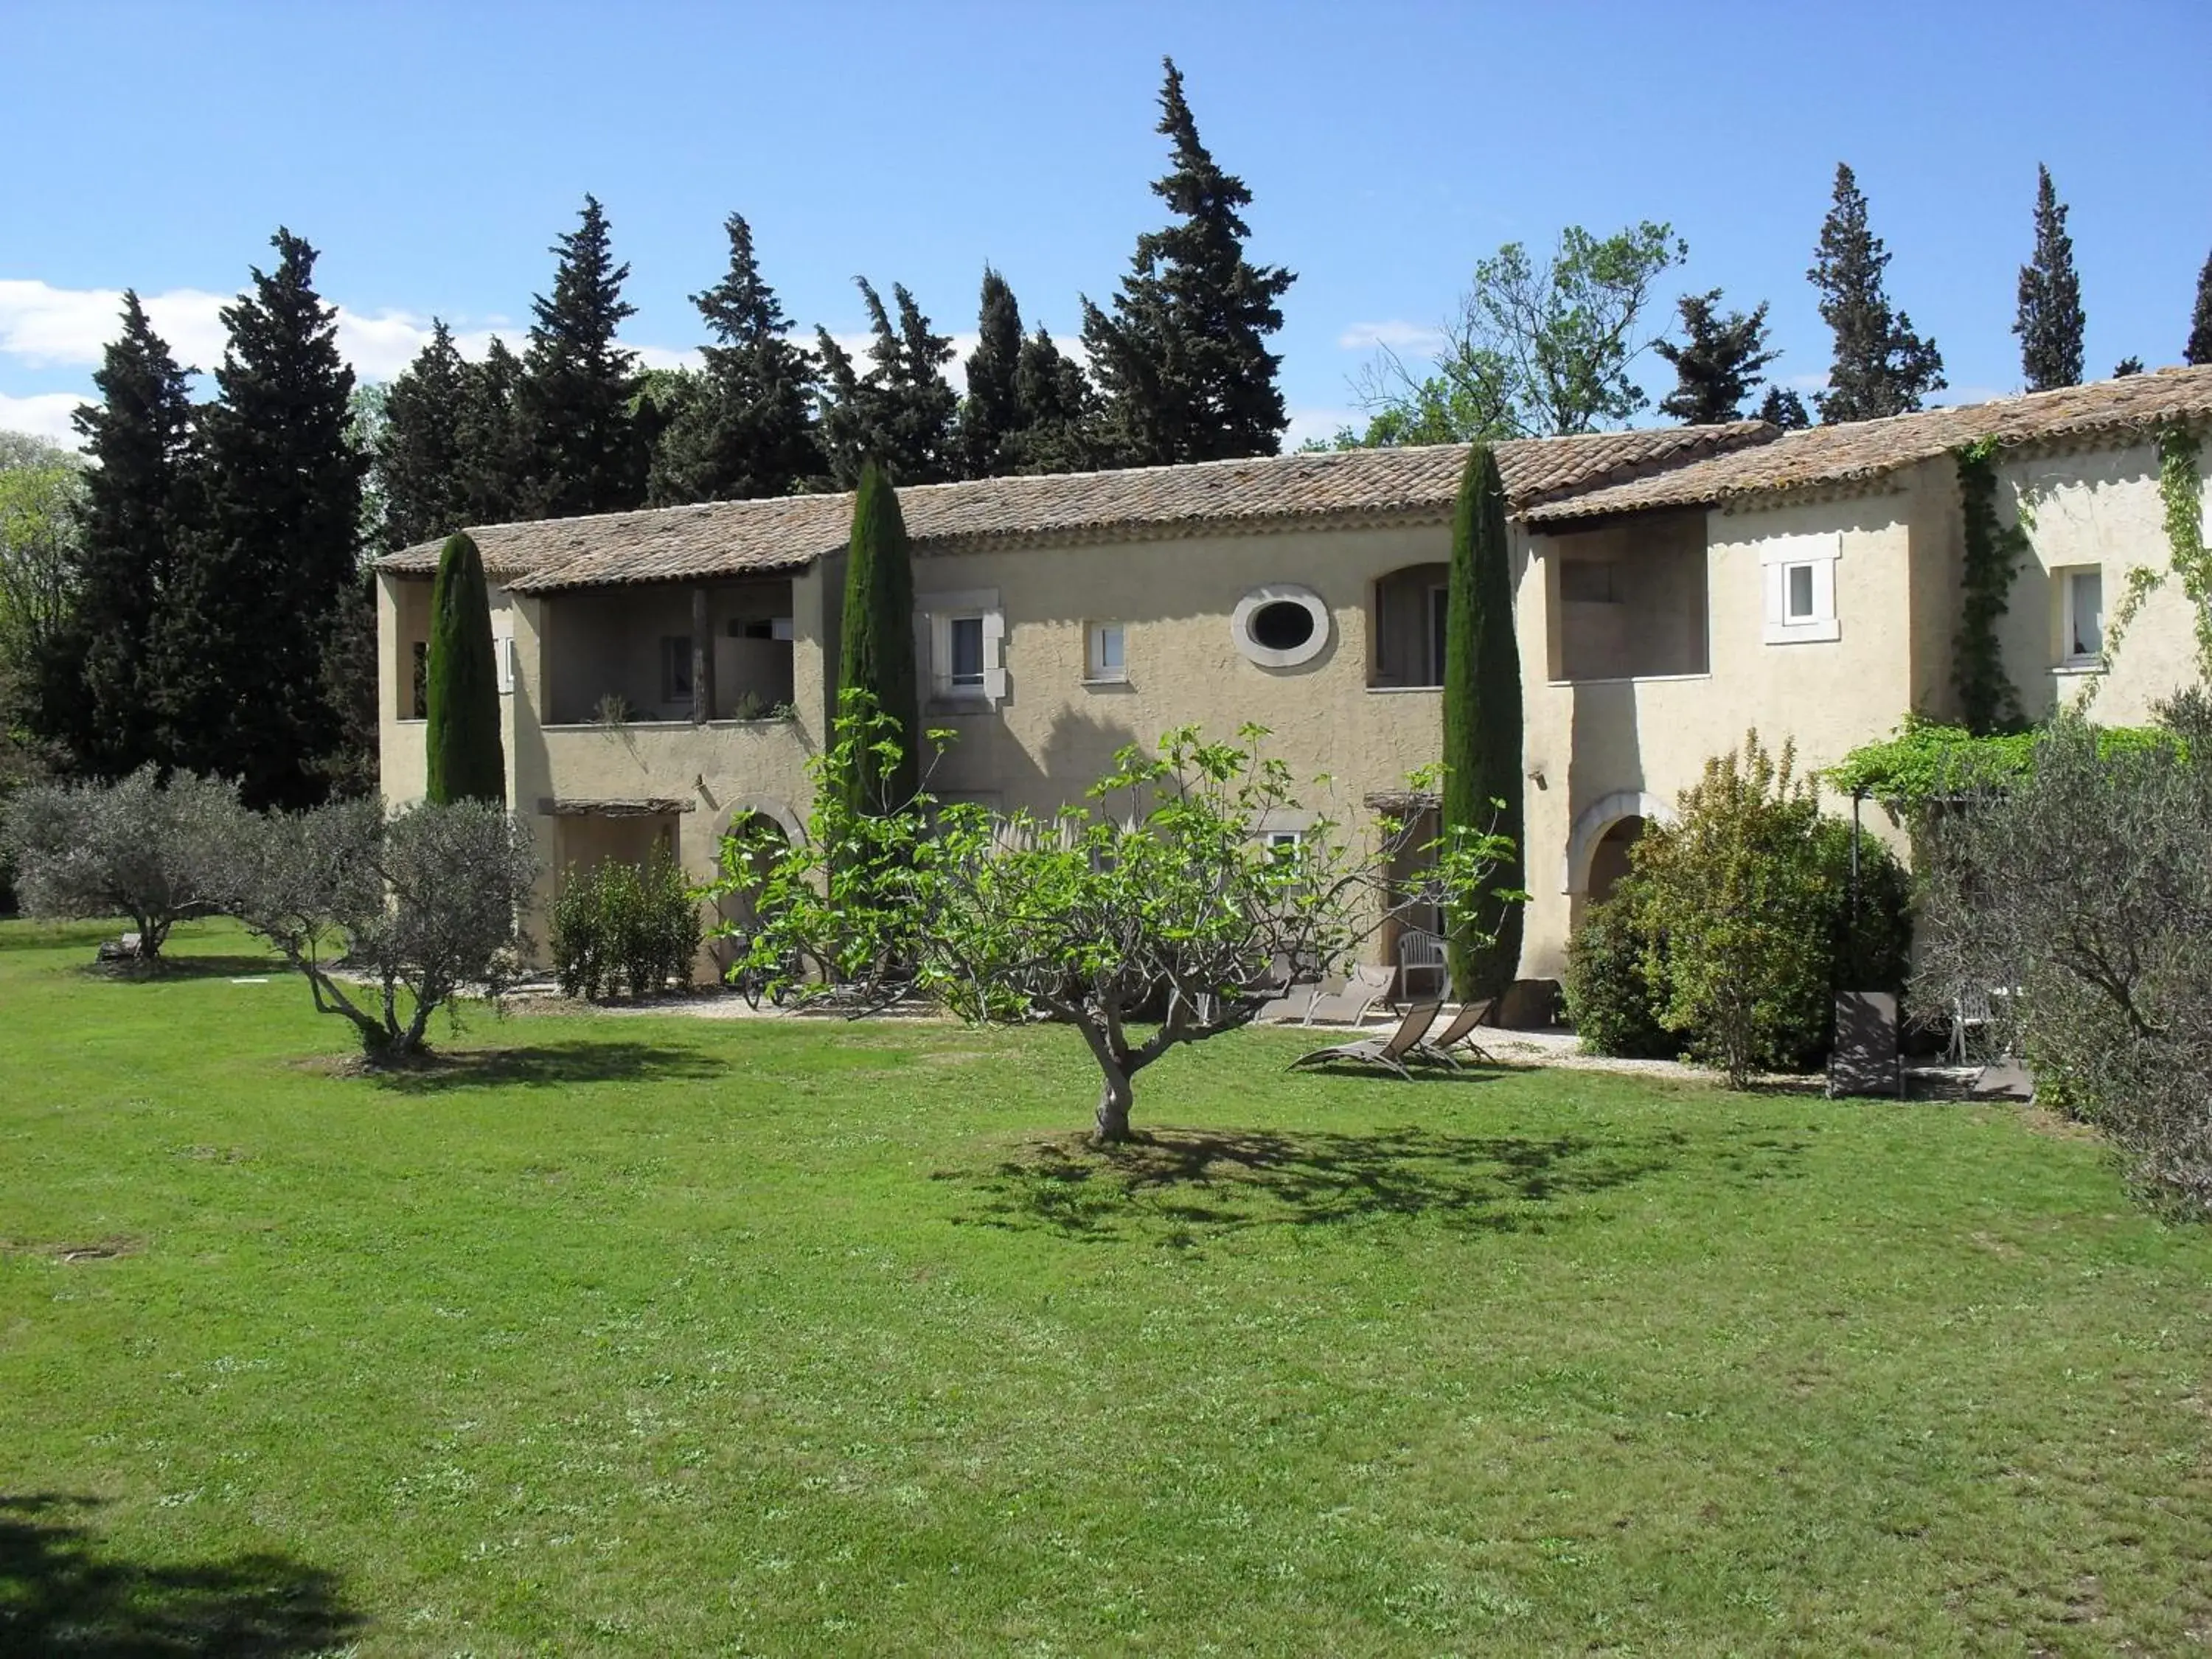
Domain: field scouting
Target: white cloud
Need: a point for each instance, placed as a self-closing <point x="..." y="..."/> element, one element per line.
<point x="44" y="414"/>
<point x="1410" y="339"/>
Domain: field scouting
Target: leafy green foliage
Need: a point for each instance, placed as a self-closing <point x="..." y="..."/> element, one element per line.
<point x="1925" y="763"/>
<point x="2082" y="894"/>
<point x="156" y="852"/>
<point x="1483" y="788"/>
<point x="1718" y="363"/>
<point x="624" y="925"/>
<point x="238" y="636"/>
<point x="1616" y="980"/>
<point x="1182" y="358"/>
<point x="1994" y="552"/>
<point x="1881" y="365"/>
<point x="748" y="432"/>
<point x="1156" y="900"/>
<point x="1537" y="349"/>
<point x="421" y="906"/>
<point x="2181" y="496"/>
<point x="2050" y="320"/>
<point x="575" y="421"/>
<point x="464" y="757"/>
<point x="876" y="657"/>
<point x="42" y="492"/>
<point x="899" y="414"/>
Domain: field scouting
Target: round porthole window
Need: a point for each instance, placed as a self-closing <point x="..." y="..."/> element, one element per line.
<point x="1281" y="626"/>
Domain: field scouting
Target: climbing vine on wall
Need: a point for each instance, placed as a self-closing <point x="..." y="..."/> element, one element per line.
<point x="1994" y="553"/>
<point x="2181" y="490"/>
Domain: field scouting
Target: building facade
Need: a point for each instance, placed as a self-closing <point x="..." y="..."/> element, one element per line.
<point x="667" y="675"/>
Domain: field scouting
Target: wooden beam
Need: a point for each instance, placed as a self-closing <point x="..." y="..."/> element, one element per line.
<point x="702" y="661"/>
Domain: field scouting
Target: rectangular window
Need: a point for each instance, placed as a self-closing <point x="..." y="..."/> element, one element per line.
<point x="1797" y="604"/>
<point x="1106" y="658"/>
<point x="420" y="702"/>
<point x="676" y="668"/>
<point x="965" y="657"/>
<point x="2085" y="617"/>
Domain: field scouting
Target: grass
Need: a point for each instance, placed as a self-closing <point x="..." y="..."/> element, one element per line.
<point x="653" y="1335"/>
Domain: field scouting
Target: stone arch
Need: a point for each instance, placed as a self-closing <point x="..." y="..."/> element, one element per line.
<point x="737" y="907"/>
<point x="1591" y="828"/>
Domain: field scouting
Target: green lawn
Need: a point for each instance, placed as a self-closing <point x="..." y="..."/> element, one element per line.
<point x="658" y="1335"/>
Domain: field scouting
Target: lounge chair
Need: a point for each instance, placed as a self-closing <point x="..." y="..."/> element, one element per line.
<point x="1389" y="1053"/>
<point x="1369" y="984"/>
<point x="1459" y="1034"/>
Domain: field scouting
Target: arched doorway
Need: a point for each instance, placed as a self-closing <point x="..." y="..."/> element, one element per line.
<point x="1609" y="858"/>
<point x="765" y="837"/>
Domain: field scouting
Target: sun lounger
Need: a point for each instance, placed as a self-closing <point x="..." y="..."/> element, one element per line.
<point x="1458" y="1035"/>
<point x="1369" y="984"/>
<point x="1389" y="1053"/>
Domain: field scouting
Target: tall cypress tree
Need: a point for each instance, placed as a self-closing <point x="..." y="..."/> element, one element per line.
<point x="2050" y="320"/>
<point x="900" y="414"/>
<point x="1182" y="360"/>
<point x="97" y="695"/>
<point x="748" y="431"/>
<point x="1482" y="791"/>
<point x="1783" y="408"/>
<point x="2198" y="349"/>
<point x="1059" y="410"/>
<point x="421" y="453"/>
<point x="991" y="413"/>
<point x="239" y="650"/>
<point x="877" y="655"/>
<point x="1718" y="362"/>
<point x="1882" y="367"/>
<point x="574" y="404"/>
<point x="465" y="758"/>
<point x="494" y="458"/>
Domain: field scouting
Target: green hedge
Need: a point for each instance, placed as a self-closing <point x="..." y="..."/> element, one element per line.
<point x="624" y="928"/>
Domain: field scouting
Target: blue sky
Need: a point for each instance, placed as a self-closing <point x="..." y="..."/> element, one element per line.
<point x="433" y="151"/>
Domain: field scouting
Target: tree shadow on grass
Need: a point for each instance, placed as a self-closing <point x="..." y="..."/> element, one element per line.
<point x="1183" y="1183"/>
<point x="549" y="1065"/>
<point x="60" y="1594"/>
<point x="168" y="970"/>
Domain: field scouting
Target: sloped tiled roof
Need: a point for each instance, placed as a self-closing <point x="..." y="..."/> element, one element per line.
<point x="1860" y="450"/>
<point x="726" y="539"/>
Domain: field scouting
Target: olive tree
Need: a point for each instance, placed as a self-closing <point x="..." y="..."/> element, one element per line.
<point x="1159" y="901"/>
<point x="392" y="918"/>
<point x="2083" y="890"/>
<point x="158" y="852"/>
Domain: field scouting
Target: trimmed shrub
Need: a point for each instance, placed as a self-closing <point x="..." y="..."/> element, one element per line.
<point x="1611" y="996"/>
<point x="462" y="750"/>
<point x="624" y="928"/>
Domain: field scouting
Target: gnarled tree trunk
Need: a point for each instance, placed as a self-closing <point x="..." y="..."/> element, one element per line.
<point x="1114" y="1097"/>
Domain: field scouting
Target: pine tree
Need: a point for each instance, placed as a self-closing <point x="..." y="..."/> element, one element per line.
<point x="1718" y="363"/>
<point x="748" y="433"/>
<point x="1882" y="367"/>
<point x="1482" y="791"/>
<point x="877" y="656"/>
<point x="1183" y="359"/>
<point x="462" y="747"/>
<point x="2050" y="320"/>
<point x="419" y="452"/>
<point x="900" y="413"/>
<point x="1059" y="410"/>
<point x="239" y="650"/>
<point x="96" y="694"/>
<point x="1783" y="408"/>
<point x="574" y="402"/>
<point x="2199" y="349"/>
<point x="991" y="413"/>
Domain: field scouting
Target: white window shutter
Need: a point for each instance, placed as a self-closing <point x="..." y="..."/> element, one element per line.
<point x="503" y="655"/>
<point x="994" y="654"/>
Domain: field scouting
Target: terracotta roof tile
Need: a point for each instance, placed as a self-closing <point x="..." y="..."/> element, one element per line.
<point x="726" y="538"/>
<point x="1860" y="450"/>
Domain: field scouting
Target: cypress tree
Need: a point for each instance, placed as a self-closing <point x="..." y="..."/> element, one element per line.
<point x="991" y="413"/>
<point x="2126" y="367"/>
<point x="1783" y="408"/>
<point x="748" y="431"/>
<point x="2198" y="350"/>
<point x="877" y="655"/>
<point x="1059" y="410"/>
<point x="494" y="458"/>
<point x="574" y="404"/>
<point x="1482" y="715"/>
<point x="1882" y="367"/>
<point x="1718" y="363"/>
<point x="1182" y="360"/>
<point x="239" y="650"/>
<point x="466" y="760"/>
<point x="420" y="453"/>
<point x="900" y="414"/>
<point x="2050" y="320"/>
<point x="97" y="695"/>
